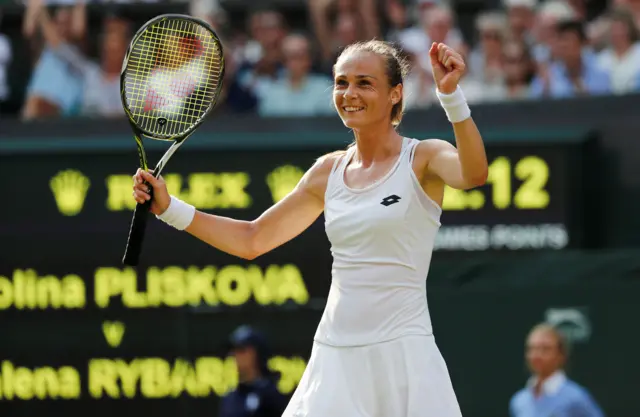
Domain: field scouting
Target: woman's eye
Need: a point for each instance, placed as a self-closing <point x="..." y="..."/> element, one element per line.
<point x="341" y="82"/>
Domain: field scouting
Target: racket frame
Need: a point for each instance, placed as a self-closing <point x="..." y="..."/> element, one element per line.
<point x="141" y="212"/>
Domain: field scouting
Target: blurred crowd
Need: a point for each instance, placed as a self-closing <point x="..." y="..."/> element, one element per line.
<point x="521" y="50"/>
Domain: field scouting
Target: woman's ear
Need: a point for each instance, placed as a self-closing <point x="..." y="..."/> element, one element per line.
<point x="396" y="94"/>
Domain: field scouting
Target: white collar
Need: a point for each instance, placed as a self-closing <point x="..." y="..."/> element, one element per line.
<point x="551" y="385"/>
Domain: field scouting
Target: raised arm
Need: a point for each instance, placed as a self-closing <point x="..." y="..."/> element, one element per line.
<point x="318" y="10"/>
<point x="245" y="239"/>
<point x="465" y="165"/>
<point x="30" y="18"/>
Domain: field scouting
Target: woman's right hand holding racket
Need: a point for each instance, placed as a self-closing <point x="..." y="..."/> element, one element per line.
<point x="141" y="191"/>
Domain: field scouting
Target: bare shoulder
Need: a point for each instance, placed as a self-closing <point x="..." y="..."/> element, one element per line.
<point x="429" y="147"/>
<point x="316" y="178"/>
<point x="426" y="149"/>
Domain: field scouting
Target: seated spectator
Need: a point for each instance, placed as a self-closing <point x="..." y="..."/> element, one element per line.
<point x="259" y="62"/>
<point x="101" y="82"/>
<point x="544" y="33"/>
<point x="485" y="60"/>
<point x="621" y="59"/>
<point x="521" y="18"/>
<point x="298" y="92"/>
<point x="55" y="88"/>
<point x="267" y="29"/>
<point x="397" y="19"/>
<point x="419" y="87"/>
<point x="519" y="70"/>
<point x="633" y="6"/>
<point x="575" y="73"/>
<point x="337" y="23"/>
<point x="437" y="24"/>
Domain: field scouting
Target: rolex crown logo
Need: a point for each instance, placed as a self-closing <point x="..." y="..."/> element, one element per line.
<point x="283" y="180"/>
<point x="69" y="190"/>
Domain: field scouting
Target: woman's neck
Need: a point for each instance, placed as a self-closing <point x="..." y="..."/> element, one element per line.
<point x="376" y="144"/>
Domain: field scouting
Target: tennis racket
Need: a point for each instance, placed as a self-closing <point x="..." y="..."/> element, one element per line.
<point x="171" y="79"/>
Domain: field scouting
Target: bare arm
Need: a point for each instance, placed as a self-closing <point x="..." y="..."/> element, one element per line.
<point x="79" y="20"/>
<point x="279" y="224"/>
<point x="461" y="167"/>
<point x="369" y="13"/>
<point x="464" y="166"/>
<point x="30" y="18"/>
<point x="48" y="28"/>
<point x="320" y="20"/>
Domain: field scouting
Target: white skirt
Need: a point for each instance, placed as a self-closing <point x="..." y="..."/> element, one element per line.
<point x="406" y="377"/>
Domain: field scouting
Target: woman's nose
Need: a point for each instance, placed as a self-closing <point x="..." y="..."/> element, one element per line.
<point x="349" y="92"/>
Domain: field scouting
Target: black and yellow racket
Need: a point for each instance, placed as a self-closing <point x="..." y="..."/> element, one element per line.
<point x="171" y="79"/>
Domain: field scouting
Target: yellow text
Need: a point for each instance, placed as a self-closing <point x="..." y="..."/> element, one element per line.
<point x="204" y="190"/>
<point x="26" y="290"/>
<point x="22" y="383"/>
<point x="529" y="193"/>
<point x="174" y="286"/>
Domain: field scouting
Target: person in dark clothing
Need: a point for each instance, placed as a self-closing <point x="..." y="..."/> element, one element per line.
<point x="257" y="394"/>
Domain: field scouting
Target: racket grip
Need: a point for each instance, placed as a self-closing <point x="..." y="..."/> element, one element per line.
<point x="136" y="233"/>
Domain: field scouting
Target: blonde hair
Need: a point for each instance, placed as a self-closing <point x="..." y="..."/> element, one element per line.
<point x="563" y="342"/>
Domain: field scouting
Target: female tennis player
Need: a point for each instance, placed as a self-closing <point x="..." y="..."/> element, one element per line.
<point x="374" y="353"/>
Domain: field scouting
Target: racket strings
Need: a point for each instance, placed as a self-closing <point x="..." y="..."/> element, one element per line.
<point x="172" y="76"/>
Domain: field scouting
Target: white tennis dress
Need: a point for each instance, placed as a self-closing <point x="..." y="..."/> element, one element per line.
<point x="374" y="353"/>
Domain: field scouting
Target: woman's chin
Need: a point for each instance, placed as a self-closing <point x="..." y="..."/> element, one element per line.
<point x="354" y="121"/>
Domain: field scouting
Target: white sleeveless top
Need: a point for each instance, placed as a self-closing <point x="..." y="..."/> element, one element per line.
<point x="382" y="237"/>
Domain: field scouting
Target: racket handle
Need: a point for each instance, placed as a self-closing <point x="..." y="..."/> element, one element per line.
<point x="136" y="233"/>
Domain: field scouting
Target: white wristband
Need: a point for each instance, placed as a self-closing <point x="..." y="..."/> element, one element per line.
<point x="179" y="214"/>
<point x="454" y="105"/>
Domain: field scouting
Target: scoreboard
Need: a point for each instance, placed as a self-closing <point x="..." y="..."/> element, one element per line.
<point x="81" y="334"/>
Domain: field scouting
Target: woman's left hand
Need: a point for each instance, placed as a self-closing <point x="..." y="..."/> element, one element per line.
<point x="448" y="67"/>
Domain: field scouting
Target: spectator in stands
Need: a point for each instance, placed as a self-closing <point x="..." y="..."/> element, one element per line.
<point x="521" y="15"/>
<point x="418" y="87"/>
<point x="260" y="60"/>
<point x="575" y="73"/>
<point x="633" y="6"/>
<point x="437" y="24"/>
<point x="359" y="16"/>
<point x="545" y="34"/>
<point x="257" y="394"/>
<point x="346" y="32"/>
<point x="519" y="70"/>
<point x="621" y="59"/>
<point x="101" y="81"/>
<point x="549" y="391"/>
<point x="267" y="29"/>
<point x="397" y="19"/>
<point x="486" y="59"/>
<point x="55" y="88"/>
<point x="5" y="60"/>
<point x="298" y="92"/>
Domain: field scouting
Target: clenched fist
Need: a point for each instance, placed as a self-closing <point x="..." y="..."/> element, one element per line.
<point x="448" y="67"/>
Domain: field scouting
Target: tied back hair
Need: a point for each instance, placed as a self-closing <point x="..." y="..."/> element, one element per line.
<point x="396" y="67"/>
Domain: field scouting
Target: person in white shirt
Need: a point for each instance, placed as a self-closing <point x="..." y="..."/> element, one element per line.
<point x="374" y="352"/>
<point x="549" y="392"/>
<point x="621" y="59"/>
<point x="299" y="91"/>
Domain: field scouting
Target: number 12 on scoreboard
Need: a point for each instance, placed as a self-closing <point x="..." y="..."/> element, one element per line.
<point x="532" y="173"/>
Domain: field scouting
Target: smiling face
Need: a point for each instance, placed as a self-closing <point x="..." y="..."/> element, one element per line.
<point x="362" y="91"/>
